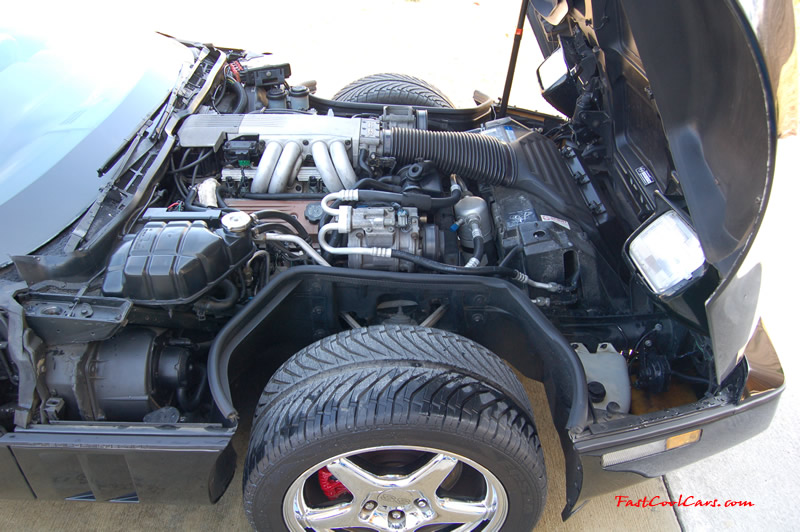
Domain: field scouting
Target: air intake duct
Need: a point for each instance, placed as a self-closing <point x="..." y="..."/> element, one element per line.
<point x="470" y="155"/>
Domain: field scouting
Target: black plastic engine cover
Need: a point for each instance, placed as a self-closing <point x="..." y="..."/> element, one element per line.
<point x="173" y="263"/>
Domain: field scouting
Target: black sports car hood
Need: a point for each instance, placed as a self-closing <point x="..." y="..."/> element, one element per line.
<point x="697" y="67"/>
<point x="686" y="87"/>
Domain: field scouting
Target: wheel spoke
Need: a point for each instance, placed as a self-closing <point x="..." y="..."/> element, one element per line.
<point x="413" y="497"/>
<point x="429" y="477"/>
<point x="357" y="480"/>
<point x="461" y="512"/>
<point x="339" y="516"/>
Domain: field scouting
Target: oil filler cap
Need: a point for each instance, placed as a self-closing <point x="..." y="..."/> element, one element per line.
<point x="236" y="222"/>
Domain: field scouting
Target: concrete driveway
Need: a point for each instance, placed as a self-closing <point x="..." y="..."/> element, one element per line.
<point x="458" y="46"/>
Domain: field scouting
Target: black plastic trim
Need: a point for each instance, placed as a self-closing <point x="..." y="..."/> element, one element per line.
<point x="562" y="369"/>
<point x="118" y="463"/>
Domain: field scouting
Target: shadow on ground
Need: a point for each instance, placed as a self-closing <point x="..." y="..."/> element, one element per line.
<point x="227" y="514"/>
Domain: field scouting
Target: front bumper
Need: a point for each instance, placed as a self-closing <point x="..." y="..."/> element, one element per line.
<point x="722" y="423"/>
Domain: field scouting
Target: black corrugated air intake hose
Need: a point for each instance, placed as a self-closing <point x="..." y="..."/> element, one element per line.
<point x="470" y="155"/>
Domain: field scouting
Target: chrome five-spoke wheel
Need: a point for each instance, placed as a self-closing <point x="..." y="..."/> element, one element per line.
<point x="394" y="429"/>
<point x="396" y="489"/>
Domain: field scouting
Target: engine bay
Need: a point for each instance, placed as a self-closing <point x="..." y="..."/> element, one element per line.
<point x="263" y="179"/>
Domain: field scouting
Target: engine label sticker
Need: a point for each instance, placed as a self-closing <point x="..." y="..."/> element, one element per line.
<point x="644" y="175"/>
<point x="559" y="221"/>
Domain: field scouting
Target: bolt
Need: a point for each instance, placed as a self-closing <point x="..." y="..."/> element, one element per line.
<point x="397" y="514"/>
<point x="370" y="505"/>
<point x="648" y="343"/>
<point x="477" y="318"/>
<point x="422" y="503"/>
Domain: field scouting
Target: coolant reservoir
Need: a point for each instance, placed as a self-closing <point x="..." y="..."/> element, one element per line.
<point x="173" y="263"/>
<point x="610" y="369"/>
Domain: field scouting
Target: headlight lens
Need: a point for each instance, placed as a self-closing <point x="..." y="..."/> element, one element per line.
<point x="667" y="252"/>
<point x="553" y="70"/>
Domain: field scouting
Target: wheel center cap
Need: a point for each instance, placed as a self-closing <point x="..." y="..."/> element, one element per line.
<point x="396" y="510"/>
<point x="395" y="499"/>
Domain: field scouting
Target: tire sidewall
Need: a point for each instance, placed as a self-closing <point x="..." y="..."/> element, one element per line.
<point x="377" y="89"/>
<point x="266" y="510"/>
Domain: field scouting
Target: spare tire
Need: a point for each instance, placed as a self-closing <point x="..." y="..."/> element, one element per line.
<point x="393" y="89"/>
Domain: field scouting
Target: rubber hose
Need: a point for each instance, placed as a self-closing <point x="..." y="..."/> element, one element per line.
<point x="369" y="182"/>
<point x="449" y="268"/>
<point x="288" y="218"/>
<point x="241" y="102"/>
<point x="213" y="305"/>
<point x="272" y="227"/>
<point x="477" y="249"/>
<point x="190" y="403"/>
<point x="511" y="255"/>
<point x="411" y="199"/>
<point x="471" y="155"/>
<point x="188" y="203"/>
<point x="220" y="199"/>
<point x="192" y="164"/>
<point x="362" y="162"/>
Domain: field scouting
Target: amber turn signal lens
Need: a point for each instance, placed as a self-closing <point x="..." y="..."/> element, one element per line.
<point x="686" y="438"/>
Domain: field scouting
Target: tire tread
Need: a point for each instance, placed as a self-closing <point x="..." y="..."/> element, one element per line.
<point x="392" y="88"/>
<point x="373" y="345"/>
<point x="344" y="402"/>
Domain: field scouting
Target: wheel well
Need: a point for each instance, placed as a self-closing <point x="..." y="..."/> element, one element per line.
<point x="308" y="302"/>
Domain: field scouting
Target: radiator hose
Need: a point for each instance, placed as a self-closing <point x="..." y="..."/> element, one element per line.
<point x="470" y="155"/>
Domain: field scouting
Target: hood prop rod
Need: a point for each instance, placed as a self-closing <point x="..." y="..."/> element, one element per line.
<point x="512" y="64"/>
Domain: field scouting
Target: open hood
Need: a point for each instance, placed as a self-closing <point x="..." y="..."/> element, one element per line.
<point x="686" y="87"/>
<point x="686" y="109"/>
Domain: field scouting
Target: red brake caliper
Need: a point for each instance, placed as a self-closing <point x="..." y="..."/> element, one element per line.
<point x="332" y="488"/>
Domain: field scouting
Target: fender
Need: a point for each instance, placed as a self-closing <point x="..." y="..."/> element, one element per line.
<point x="317" y="295"/>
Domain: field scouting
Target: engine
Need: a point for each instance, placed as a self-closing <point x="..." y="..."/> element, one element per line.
<point x="262" y="192"/>
<point x="249" y="196"/>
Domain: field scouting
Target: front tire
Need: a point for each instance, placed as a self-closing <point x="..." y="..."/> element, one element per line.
<point x="394" y="428"/>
